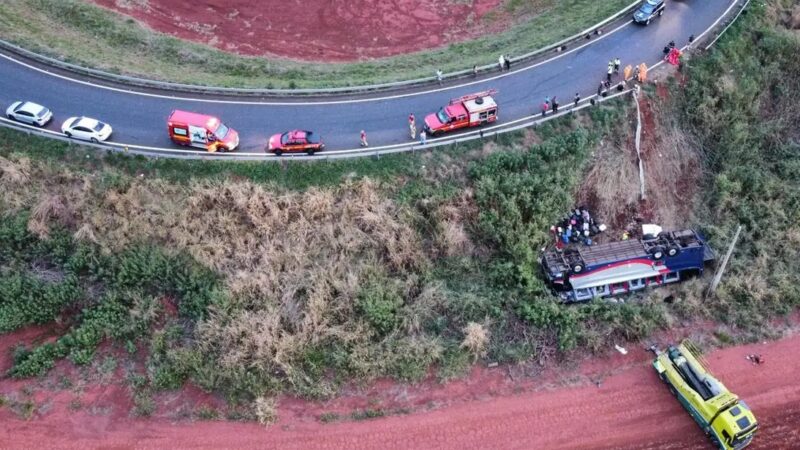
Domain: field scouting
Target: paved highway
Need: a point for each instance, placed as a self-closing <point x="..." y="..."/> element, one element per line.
<point x="140" y="117"/>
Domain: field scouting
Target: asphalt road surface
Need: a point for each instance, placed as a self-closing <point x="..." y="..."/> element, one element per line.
<point x="139" y="118"/>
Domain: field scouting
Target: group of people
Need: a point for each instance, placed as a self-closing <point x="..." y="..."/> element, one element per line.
<point x="577" y="227"/>
<point x="638" y="73"/>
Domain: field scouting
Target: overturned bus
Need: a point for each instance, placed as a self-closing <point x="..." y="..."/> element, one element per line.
<point x="580" y="273"/>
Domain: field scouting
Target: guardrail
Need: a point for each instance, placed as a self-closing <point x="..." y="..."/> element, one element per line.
<point x="728" y="26"/>
<point x="482" y="133"/>
<point x="212" y="90"/>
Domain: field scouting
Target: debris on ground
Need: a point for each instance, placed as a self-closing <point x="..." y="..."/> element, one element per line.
<point x="755" y="359"/>
<point x="621" y="349"/>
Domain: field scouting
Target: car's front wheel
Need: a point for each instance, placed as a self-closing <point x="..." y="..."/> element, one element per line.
<point x="68" y="134"/>
<point x="93" y="140"/>
<point x="278" y="152"/>
<point x="660" y="13"/>
<point x="310" y="152"/>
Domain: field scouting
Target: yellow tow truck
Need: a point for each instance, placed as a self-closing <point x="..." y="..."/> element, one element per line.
<point x="727" y="420"/>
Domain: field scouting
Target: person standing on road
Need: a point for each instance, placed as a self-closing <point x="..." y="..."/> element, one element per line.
<point x="412" y="125"/>
<point x="626" y="74"/>
<point x="423" y="137"/>
<point x="508" y="62"/>
<point x="545" y="107"/>
<point x="475" y="71"/>
<point x="501" y="61"/>
<point x="617" y="63"/>
<point x="600" y="88"/>
<point x="555" y="104"/>
<point x="439" y="75"/>
<point x="547" y="100"/>
<point x="364" y="142"/>
<point x="577" y="98"/>
<point x="610" y="72"/>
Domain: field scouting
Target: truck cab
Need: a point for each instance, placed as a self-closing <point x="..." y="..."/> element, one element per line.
<point x="467" y="111"/>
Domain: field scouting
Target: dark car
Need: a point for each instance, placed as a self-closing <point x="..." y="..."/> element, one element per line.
<point x="295" y="141"/>
<point x="648" y="11"/>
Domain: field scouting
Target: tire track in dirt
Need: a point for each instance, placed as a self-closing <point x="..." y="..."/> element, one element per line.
<point x="631" y="409"/>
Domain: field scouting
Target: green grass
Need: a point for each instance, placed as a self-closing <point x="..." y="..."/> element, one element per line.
<point x="81" y="33"/>
<point x="118" y="169"/>
<point x="337" y="322"/>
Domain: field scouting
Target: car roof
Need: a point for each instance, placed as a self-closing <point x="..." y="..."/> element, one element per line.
<point x="86" y="122"/>
<point x="30" y="107"/>
<point x="298" y="134"/>
<point x="456" y="110"/>
<point x="654" y="2"/>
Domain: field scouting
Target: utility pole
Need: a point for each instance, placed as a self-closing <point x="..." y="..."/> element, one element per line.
<point x="721" y="270"/>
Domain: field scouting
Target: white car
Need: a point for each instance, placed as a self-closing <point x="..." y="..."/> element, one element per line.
<point x="29" y="112"/>
<point x="86" y="129"/>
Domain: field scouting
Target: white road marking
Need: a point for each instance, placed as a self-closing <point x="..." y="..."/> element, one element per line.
<point x="367" y="152"/>
<point x="315" y="103"/>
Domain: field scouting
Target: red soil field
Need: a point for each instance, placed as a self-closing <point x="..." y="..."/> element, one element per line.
<point x="629" y="409"/>
<point x="317" y="30"/>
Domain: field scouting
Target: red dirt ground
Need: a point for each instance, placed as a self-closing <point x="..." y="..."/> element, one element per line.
<point x="630" y="409"/>
<point x="316" y="30"/>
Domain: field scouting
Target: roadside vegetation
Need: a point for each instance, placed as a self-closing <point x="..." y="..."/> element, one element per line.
<point x="81" y="33"/>
<point x="251" y="280"/>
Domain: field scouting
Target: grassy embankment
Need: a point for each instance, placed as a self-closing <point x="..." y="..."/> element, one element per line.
<point x="250" y="279"/>
<point x="81" y="33"/>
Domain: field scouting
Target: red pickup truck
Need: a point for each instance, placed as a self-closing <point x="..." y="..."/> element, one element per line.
<point x="468" y="111"/>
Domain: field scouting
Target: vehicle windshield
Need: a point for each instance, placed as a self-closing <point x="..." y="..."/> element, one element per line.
<point x="99" y="127"/>
<point x="285" y="138"/>
<point x="221" y="132"/>
<point x="741" y="440"/>
<point x="647" y="8"/>
<point x="442" y="116"/>
<point x="312" y="138"/>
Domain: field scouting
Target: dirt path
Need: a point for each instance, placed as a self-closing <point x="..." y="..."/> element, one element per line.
<point x="630" y="409"/>
<point x="318" y="30"/>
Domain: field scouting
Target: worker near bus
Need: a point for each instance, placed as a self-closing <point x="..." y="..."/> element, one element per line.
<point x="412" y="126"/>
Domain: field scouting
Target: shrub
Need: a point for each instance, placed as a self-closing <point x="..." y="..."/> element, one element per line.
<point x="26" y="300"/>
<point x="379" y="302"/>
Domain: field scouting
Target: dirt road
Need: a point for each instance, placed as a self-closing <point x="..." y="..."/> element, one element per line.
<point x="630" y="409"/>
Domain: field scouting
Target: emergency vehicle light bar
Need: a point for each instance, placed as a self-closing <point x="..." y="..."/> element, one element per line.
<point x="469" y="97"/>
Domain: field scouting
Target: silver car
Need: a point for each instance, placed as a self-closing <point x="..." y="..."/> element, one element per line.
<point x="30" y="113"/>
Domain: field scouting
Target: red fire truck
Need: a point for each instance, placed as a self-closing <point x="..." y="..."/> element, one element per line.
<point x="202" y="131"/>
<point x="468" y="111"/>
